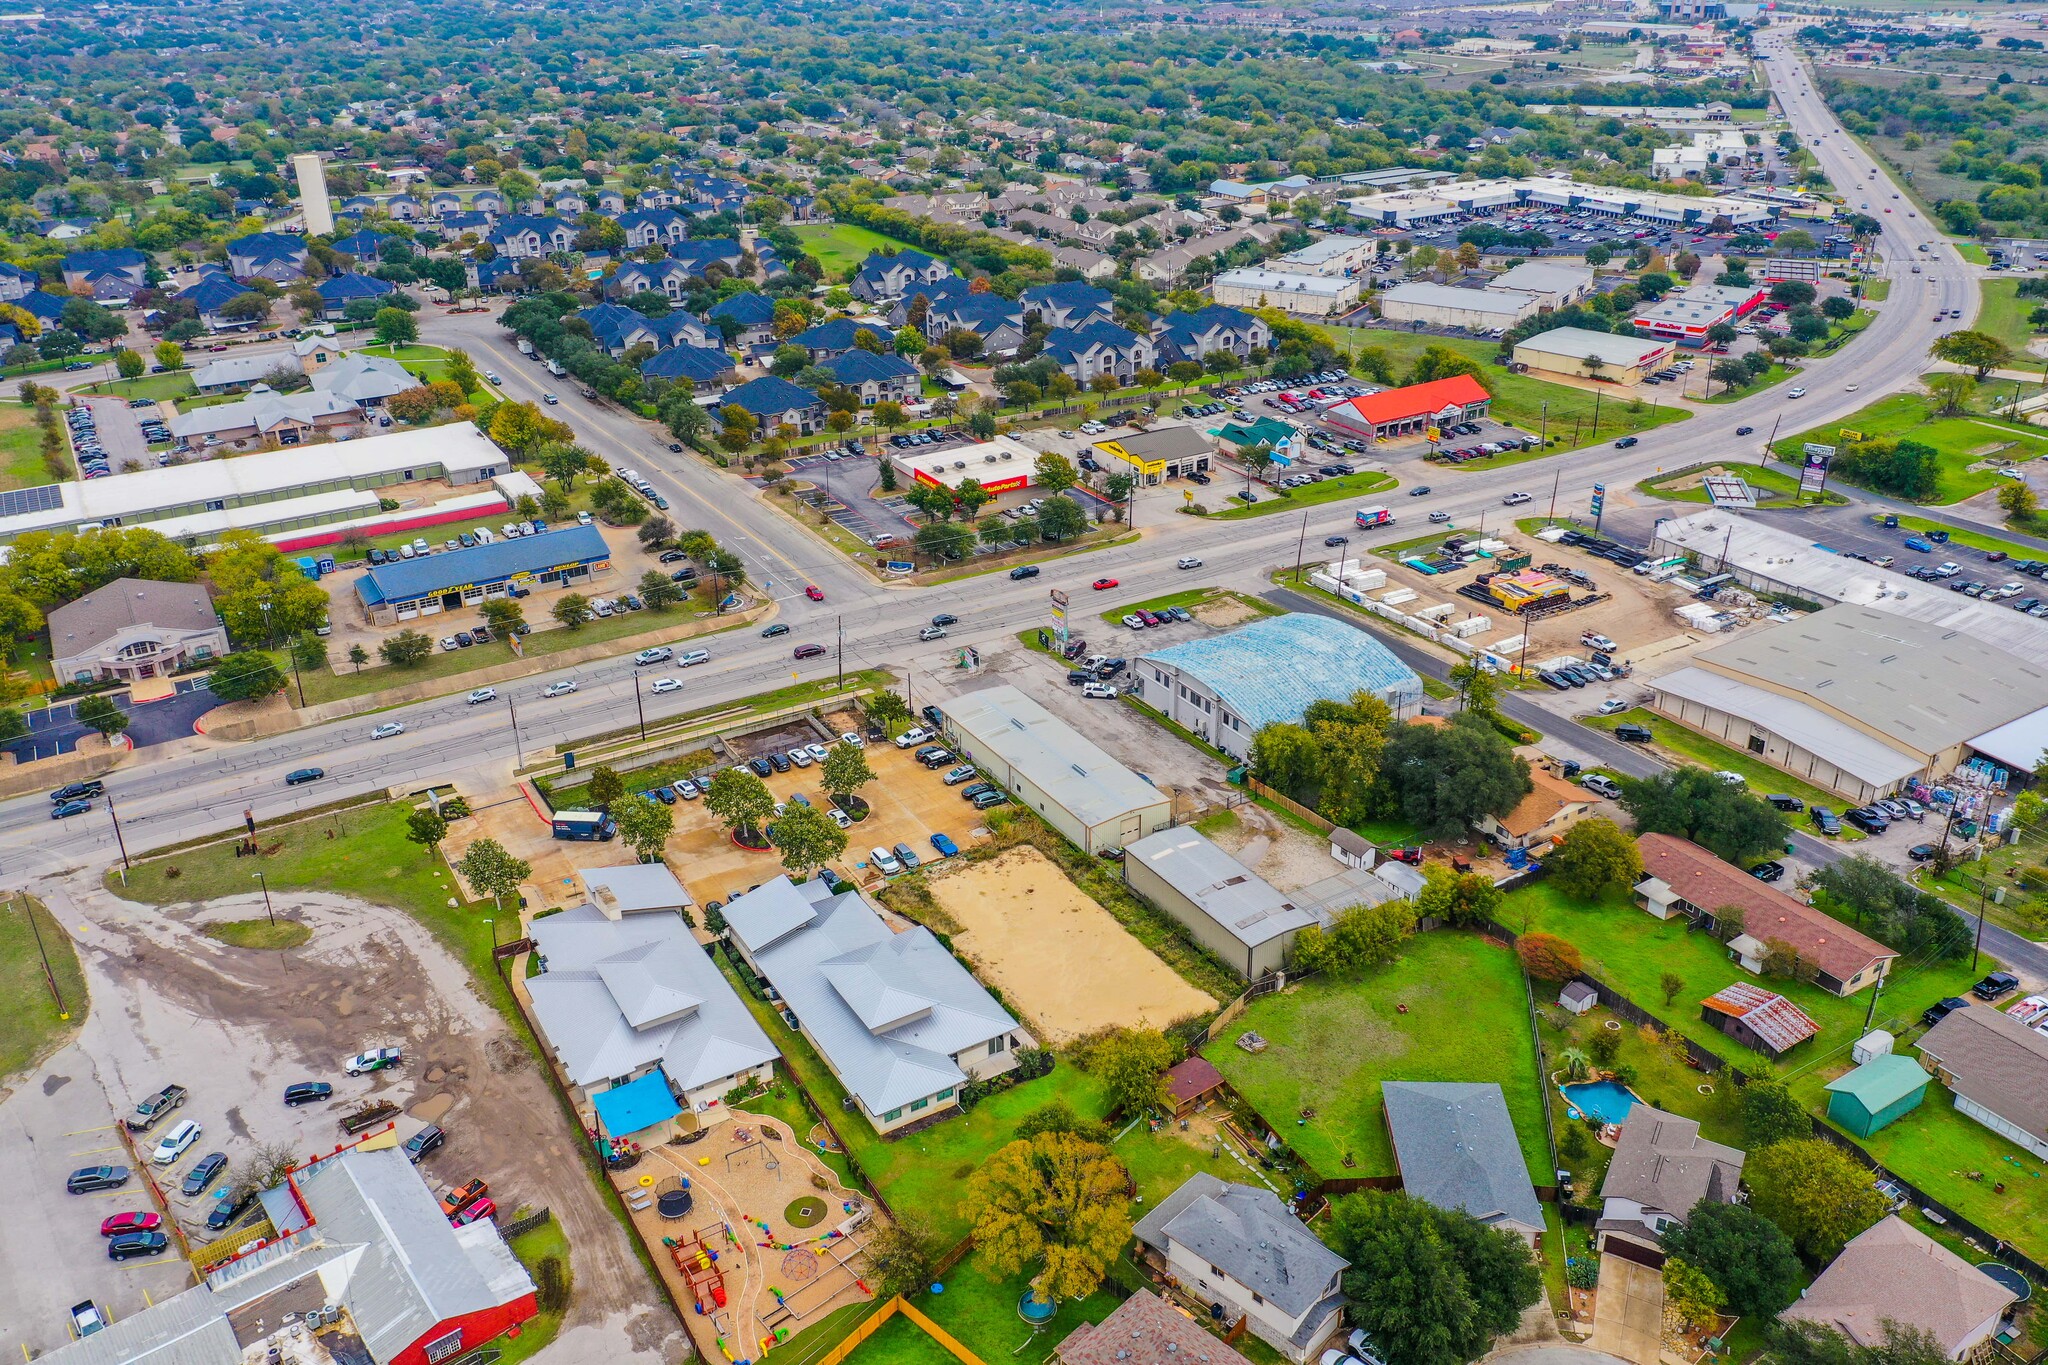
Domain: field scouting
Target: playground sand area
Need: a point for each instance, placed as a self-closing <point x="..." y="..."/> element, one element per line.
<point x="1057" y="955"/>
<point x="740" y="1178"/>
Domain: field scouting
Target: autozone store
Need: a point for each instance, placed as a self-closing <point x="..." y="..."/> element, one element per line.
<point x="1000" y="465"/>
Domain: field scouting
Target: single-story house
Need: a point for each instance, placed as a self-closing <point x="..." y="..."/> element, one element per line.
<point x="1997" y="1070"/>
<point x="1456" y="1148"/>
<point x="1552" y="806"/>
<point x="1893" y="1272"/>
<point x="263" y="414"/>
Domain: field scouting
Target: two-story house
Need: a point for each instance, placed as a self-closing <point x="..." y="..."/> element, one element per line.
<point x="998" y="322"/>
<point x="646" y="227"/>
<point x="619" y="329"/>
<point x="338" y="291"/>
<point x="279" y="257"/>
<point x="1239" y="1249"/>
<point x="701" y="368"/>
<point x="888" y="277"/>
<point x="894" y="1015"/>
<point x="210" y="294"/>
<point x="1099" y="348"/>
<point x="117" y="268"/>
<point x="875" y="378"/>
<point x="526" y="236"/>
<point x="1068" y="305"/>
<point x="364" y="244"/>
<point x="1201" y="332"/>
<point x="777" y="403"/>
<point x="755" y="314"/>
<point x="1661" y="1169"/>
<point x="835" y="337"/>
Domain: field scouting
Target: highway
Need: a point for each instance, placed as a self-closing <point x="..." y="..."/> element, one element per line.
<point x="192" y="793"/>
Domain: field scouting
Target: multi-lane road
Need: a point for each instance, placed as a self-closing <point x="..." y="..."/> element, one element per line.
<point x="188" y="793"/>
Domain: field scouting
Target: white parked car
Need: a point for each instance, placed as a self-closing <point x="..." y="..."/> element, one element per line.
<point x="482" y="695"/>
<point x="387" y="730"/>
<point x="852" y="739"/>
<point x="800" y="757"/>
<point x="817" y="751"/>
<point x="660" y="654"/>
<point x="1134" y="621"/>
<point x="450" y="643"/>
<point x="559" y="689"/>
<point x="1732" y="779"/>
<point x="175" y="1143"/>
<point x="662" y="685"/>
<point x="1099" y="692"/>
<point x="839" y="817"/>
<point x="1612" y="706"/>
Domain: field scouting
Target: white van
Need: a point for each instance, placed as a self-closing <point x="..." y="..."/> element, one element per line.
<point x="885" y="860"/>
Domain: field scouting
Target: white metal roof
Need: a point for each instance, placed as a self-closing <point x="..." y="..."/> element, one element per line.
<point x="1503" y="303"/>
<point x="1613" y="348"/>
<point x="1287" y="282"/>
<point x="1808" y="726"/>
<point x="2019" y="743"/>
<point x="1054" y="757"/>
<point x="1247" y="906"/>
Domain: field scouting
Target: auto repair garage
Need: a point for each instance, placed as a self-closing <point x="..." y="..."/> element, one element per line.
<point x="451" y="579"/>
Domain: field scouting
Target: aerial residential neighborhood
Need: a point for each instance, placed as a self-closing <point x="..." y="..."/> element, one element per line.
<point x="901" y="687"/>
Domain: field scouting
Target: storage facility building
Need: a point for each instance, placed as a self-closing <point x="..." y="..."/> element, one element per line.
<point x="412" y="588"/>
<point x="1226" y="686"/>
<point x="1309" y="295"/>
<point x="1553" y="285"/>
<point x="1090" y="798"/>
<point x="1566" y="350"/>
<point x="1231" y="910"/>
<point x="1447" y="305"/>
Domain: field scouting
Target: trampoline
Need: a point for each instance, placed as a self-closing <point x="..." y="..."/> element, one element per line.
<point x="673" y="1204"/>
<point x="2008" y="1277"/>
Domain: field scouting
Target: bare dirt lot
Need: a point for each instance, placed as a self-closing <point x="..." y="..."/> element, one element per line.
<point x="1055" y="954"/>
<point x="234" y="1027"/>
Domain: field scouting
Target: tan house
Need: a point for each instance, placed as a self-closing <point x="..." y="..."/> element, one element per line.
<point x="1892" y="1272"/>
<point x="1552" y="806"/>
<point x="134" y="628"/>
<point x="1997" y="1070"/>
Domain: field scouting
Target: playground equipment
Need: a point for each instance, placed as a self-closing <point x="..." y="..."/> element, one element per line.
<point x="700" y="1269"/>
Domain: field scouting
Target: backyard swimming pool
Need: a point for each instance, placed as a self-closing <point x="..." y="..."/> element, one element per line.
<point x="1601" y="1101"/>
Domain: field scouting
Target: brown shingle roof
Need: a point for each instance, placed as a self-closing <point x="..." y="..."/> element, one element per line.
<point x="1193" y="1078"/>
<point x="1893" y="1271"/>
<point x="1547" y="797"/>
<point x="125" y="602"/>
<point x="1995" y="1060"/>
<point x="1768" y="913"/>
<point x="1145" y="1330"/>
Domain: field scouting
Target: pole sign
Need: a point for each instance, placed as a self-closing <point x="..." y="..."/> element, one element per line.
<point x="1059" y="617"/>
<point x="1813" y="477"/>
<point x="1599" y="499"/>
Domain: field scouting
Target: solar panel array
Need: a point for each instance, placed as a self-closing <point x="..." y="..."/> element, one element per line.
<point x="16" y="501"/>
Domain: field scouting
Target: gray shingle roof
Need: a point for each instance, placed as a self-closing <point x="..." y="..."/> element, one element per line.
<point x="132" y="602"/>
<point x="1457" y="1149"/>
<point x="1662" y="1163"/>
<point x="1249" y="1235"/>
<point x="889" y="1011"/>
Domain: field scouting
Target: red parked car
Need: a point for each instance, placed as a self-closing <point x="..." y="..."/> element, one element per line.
<point x="482" y="1210"/>
<point x="131" y="1222"/>
<point x="1102" y="583"/>
<point x="814" y="592"/>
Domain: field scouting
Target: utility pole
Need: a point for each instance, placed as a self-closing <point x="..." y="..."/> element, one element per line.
<point x="640" y="709"/>
<point x="297" y="679"/>
<point x="1765" y="458"/>
<point x="1555" y="476"/>
<point x="1596" y="416"/>
<point x="517" y="750"/>
<point x="118" y="840"/>
<point x="28" y="908"/>
<point x="1300" y="544"/>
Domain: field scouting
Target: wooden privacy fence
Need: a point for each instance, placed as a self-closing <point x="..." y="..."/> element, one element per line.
<point x="1288" y="803"/>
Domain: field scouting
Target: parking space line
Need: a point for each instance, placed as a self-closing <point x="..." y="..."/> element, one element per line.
<point x="84" y="1132"/>
<point x="91" y="1151"/>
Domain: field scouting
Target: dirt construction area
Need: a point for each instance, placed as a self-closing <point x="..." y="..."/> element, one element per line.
<point x="768" y="1229"/>
<point x="234" y="1027"/>
<point x="1055" y="954"/>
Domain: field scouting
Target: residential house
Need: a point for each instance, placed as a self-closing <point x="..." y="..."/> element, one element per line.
<point x="568" y="203"/>
<point x="1099" y="348"/>
<point x="403" y="208"/>
<point x="279" y="257"/>
<point x="443" y="202"/>
<point x="1892" y="1272"/>
<point x="702" y="368"/>
<point x="264" y="416"/>
<point x="755" y="313"/>
<point x="472" y="222"/>
<point x="488" y="201"/>
<point x="364" y="244"/>
<point x="998" y="322"/>
<point x="337" y="292"/>
<point x="1997" y="1070"/>
<point x="876" y="378"/>
<point x="1552" y="806"/>
<point x="835" y="337"/>
<point x="365" y="380"/>
<point x="628" y="997"/>
<point x="777" y="403"/>
<point x="895" y="1016"/>
<point x="1145" y="1330"/>
<point x="1661" y="1169"/>
<point x="950" y="289"/>
<point x="527" y="236"/>
<point x="1757" y="1018"/>
<point x="1241" y="1250"/>
<point x="16" y="282"/>
<point x="211" y="293"/>
<point x="1170" y="264"/>
<point x="113" y="275"/>
<point x="1068" y="305"/>
<point x="889" y="277"/>
<point x="646" y="227"/>
<point x="1198" y="333"/>
<point x="356" y="205"/>
<point x="699" y="254"/>
<point x="134" y="628"/>
<point x="1456" y="1148"/>
<point x="609" y="200"/>
<point x="500" y="273"/>
<point x="1680" y="877"/>
<point x="1093" y="265"/>
<point x="43" y="306"/>
<point x="619" y="329"/>
<point x="665" y="277"/>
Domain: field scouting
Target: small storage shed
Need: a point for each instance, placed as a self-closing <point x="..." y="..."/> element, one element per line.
<point x="1577" y="997"/>
<point x="1875" y="1094"/>
<point x="1191" y="1083"/>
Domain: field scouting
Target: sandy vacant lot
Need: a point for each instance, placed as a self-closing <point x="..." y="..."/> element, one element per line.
<point x="1057" y="955"/>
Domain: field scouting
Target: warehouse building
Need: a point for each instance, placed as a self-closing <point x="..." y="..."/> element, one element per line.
<point x="1571" y="351"/>
<point x="1308" y="295"/>
<point x="1553" y="285"/>
<point x="1772" y="562"/>
<point x="1094" y="801"/>
<point x="1853" y="699"/>
<point x="1687" y="315"/>
<point x="1331" y="256"/>
<point x="393" y="593"/>
<point x="1445" y="305"/>
<point x="1231" y="910"/>
<point x="1413" y="410"/>
<point x="273" y="491"/>
<point x="1000" y="464"/>
<point x="1225" y="687"/>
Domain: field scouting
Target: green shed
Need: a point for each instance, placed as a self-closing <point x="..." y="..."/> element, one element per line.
<point x="1874" y="1094"/>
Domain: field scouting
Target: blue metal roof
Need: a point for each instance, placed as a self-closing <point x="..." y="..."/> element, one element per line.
<point x="1271" y="670"/>
<point x="628" y="1108"/>
<point x="493" y="563"/>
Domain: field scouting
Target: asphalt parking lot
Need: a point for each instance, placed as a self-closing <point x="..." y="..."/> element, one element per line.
<point x="120" y="434"/>
<point x="55" y="730"/>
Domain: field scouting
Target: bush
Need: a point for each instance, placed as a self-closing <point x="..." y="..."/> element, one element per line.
<point x="551" y="1284"/>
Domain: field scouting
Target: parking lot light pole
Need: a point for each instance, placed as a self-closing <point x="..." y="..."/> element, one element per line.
<point x="268" y="909"/>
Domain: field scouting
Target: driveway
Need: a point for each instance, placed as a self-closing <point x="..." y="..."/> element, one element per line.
<point x="56" y="730"/>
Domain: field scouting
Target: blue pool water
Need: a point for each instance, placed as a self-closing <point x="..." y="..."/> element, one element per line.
<point x="1601" y="1101"/>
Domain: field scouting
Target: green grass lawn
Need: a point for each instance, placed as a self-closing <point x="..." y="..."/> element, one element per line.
<point x="841" y="247"/>
<point x="1522" y="400"/>
<point x="1190" y="598"/>
<point x="2004" y="315"/>
<point x="1775" y="487"/>
<point x="1877" y="291"/>
<point x="1273" y="500"/>
<point x="532" y="1248"/>
<point x="1777" y="374"/>
<point x="21" y="449"/>
<point x="1976" y="540"/>
<point x="1973" y="253"/>
<point x="1962" y="440"/>
<point x="31" y="1025"/>
<point x="154" y="386"/>
<point x="1694" y="747"/>
<point x="1332" y="1042"/>
<point x="259" y="933"/>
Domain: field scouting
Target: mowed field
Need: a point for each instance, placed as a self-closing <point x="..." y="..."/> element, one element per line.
<point x="1453" y="1008"/>
<point x="1055" y="954"/>
<point x="1964" y="440"/>
<point x="841" y="247"/>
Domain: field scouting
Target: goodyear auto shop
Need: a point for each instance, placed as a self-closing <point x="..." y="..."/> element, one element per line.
<point x="452" y="579"/>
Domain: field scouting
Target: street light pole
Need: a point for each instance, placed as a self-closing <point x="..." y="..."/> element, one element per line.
<point x="519" y="752"/>
<point x="839" y="648"/>
<point x="1300" y="543"/>
<point x="268" y="909"/>
<point x="640" y="708"/>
